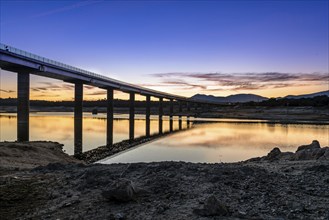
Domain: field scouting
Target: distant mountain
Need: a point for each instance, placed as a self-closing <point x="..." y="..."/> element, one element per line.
<point x="307" y="95"/>
<point x="249" y="97"/>
<point x="231" y="98"/>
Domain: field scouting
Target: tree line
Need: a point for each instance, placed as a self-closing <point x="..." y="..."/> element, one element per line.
<point x="318" y="101"/>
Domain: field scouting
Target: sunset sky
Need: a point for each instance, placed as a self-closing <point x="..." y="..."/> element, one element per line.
<point x="269" y="48"/>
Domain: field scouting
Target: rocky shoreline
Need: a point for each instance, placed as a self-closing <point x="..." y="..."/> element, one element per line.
<point x="279" y="185"/>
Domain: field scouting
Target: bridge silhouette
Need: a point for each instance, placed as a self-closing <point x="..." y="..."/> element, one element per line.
<point x="25" y="63"/>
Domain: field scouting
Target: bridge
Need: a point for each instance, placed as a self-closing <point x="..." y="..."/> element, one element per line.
<point x="25" y="63"/>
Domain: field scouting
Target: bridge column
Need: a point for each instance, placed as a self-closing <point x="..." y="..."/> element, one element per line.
<point x="171" y="114"/>
<point x="131" y="116"/>
<point x="78" y="103"/>
<point x="23" y="107"/>
<point x="188" y="113"/>
<point x="147" y="115"/>
<point x="180" y="107"/>
<point x="109" y="120"/>
<point x="160" y="114"/>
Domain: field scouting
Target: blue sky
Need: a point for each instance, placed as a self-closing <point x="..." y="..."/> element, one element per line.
<point x="138" y="41"/>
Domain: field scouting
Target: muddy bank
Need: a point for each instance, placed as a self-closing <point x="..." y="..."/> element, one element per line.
<point x="276" y="186"/>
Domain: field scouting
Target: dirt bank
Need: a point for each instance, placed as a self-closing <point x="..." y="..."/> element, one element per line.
<point x="27" y="155"/>
<point x="279" y="114"/>
<point x="277" y="186"/>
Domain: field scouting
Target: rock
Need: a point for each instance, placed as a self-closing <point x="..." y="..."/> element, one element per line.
<point x="314" y="145"/>
<point x="212" y="207"/>
<point x="274" y="154"/>
<point x="121" y="190"/>
<point x="312" y="154"/>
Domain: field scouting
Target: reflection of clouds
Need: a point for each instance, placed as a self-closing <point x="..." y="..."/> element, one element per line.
<point x="247" y="136"/>
<point x="208" y="140"/>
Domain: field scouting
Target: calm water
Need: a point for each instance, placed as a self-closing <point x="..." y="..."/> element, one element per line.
<point x="223" y="141"/>
<point x="60" y="126"/>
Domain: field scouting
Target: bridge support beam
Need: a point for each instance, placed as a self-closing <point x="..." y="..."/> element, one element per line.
<point x="23" y="107"/>
<point x="131" y="116"/>
<point x="160" y="115"/>
<point x="188" y="105"/>
<point x="180" y="107"/>
<point x="78" y="104"/>
<point x="147" y="115"/>
<point x="109" y="120"/>
<point x="171" y="115"/>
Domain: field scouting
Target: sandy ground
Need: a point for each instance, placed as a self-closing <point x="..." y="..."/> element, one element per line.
<point x="277" y="186"/>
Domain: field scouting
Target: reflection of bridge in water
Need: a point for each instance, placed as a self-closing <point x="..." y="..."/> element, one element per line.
<point x="106" y="151"/>
<point x="24" y="64"/>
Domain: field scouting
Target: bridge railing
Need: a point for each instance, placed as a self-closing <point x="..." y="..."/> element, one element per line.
<point x="49" y="61"/>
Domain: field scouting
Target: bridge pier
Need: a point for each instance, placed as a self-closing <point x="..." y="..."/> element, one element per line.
<point x="188" y="105"/>
<point x="160" y="115"/>
<point x="147" y="115"/>
<point x="23" y="107"/>
<point x="171" y="115"/>
<point x="180" y="110"/>
<point x="78" y="105"/>
<point x="109" y="119"/>
<point x="131" y="116"/>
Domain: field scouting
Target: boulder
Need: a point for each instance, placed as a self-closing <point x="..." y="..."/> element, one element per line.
<point x="312" y="154"/>
<point x="212" y="207"/>
<point x="121" y="190"/>
<point x="314" y="145"/>
<point x="274" y="154"/>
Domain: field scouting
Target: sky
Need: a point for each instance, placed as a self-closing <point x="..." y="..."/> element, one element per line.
<point x="269" y="48"/>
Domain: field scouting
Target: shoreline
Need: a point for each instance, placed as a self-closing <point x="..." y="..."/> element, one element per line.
<point x="202" y="118"/>
<point x="292" y="114"/>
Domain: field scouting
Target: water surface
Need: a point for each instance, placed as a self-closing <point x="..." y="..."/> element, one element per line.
<point x="221" y="141"/>
<point x="226" y="142"/>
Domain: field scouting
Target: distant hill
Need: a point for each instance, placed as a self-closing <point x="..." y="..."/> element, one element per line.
<point x="250" y="97"/>
<point x="308" y="95"/>
<point x="230" y="98"/>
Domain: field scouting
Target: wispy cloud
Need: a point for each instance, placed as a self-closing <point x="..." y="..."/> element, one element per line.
<point x="7" y="91"/>
<point x="49" y="86"/>
<point x="239" y="81"/>
<point x="65" y="8"/>
<point x="97" y="93"/>
<point x="47" y="96"/>
<point x="181" y="84"/>
<point x="56" y="11"/>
